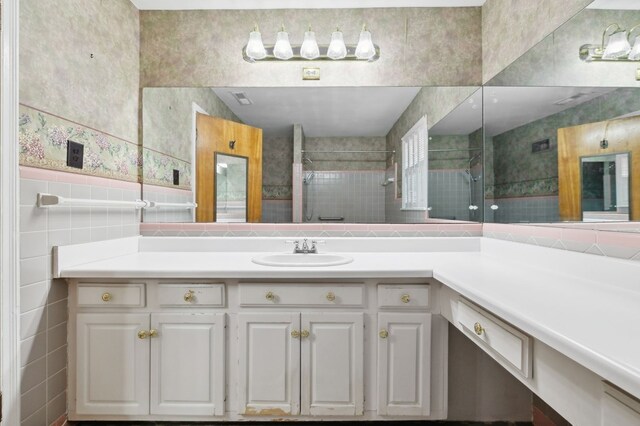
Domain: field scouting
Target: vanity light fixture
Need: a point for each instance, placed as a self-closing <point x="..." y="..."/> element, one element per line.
<point x="256" y="51"/>
<point x="337" y="49"/>
<point x="616" y="46"/>
<point x="282" y="49"/>
<point x="255" y="48"/>
<point x="309" y="48"/>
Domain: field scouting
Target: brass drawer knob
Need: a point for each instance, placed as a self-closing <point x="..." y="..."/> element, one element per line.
<point x="295" y="334"/>
<point x="384" y="334"/>
<point x="331" y="297"/>
<point x="153" y="333"/>
<point x="189" y="296"/>
<point x="106" y="297"/>
<point x="405" y="298"/>
<point x="478" y="329"/>
<point x="143" y="334"/>
<point x="270" y="296"/>
<point x="304" y="334"/>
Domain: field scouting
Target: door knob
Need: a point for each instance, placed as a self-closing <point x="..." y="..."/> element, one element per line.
<point x="143" y="334"/>
<point x="384" y="334"/>
<point x="106" y="297"/>
<point x="331" y="296"/>
<point x="270" y="296"/>
<point x="295" y="334"/>
<point x="189" y="296"/>
<point x="405" y="298"/>
<point x="153" y="333"/>
<point x="478" y="329"/>
<point x="304" y="334"/>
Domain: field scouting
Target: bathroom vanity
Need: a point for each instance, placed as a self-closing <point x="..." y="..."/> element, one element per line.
<point x="191" y="329"/>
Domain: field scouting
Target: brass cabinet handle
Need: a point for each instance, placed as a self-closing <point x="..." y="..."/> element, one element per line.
<point x="383" y="334"/>
<point x="153" y="333"/>
<point x="405" y="298"/>
<point x="106" y="297"/>
<point x="270" y="296"/>
<point x="189" y="296"/>
<point x="478" y="329"/>
<point x="295" y="334"/>
<point x="331" y="296"/>
<point x="143" y="334"/>
<point x="304" y="334"/>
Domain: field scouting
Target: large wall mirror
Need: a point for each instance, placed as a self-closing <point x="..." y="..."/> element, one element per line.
<point x="314" y="155"/>
<point x="562" y="135"/>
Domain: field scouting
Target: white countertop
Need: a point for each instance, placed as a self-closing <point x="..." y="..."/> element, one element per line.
<point x="584" y="306"/>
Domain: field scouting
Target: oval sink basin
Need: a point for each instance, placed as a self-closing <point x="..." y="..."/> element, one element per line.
<point x="301" y="260"/>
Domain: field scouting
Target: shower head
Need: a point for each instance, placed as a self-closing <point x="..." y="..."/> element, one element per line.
<point x="307" y="159"/>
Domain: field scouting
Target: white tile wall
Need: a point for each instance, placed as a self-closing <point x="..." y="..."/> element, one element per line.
<point x="43" y="301"/>
<point x="164" y="215"/>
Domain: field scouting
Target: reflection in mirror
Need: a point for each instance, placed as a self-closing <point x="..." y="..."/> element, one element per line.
<point x="549" y="109"/>
<point x="605" y="188"/>
<point x="324" y="154"/>
<point x="231" y="188"/>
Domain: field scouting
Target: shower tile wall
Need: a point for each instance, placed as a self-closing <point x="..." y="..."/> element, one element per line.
<point x="357" y="196"/>
<point x="449" y="195"/>
<point x="523" y="209"/>
<point x="277" y="211"/>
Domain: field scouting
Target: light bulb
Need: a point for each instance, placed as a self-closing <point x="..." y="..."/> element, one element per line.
<point x="617" y="46"/>
<point x="365" y="48"/>
<point x="309" y="48"/>
<point x="255" y="48"/>
<point x="634" y="55"/>
<point x="337" y="49"/>
<point x="282" y="49"/>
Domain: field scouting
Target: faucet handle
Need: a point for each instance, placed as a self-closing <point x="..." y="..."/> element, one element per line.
<point x="318" y="242"/>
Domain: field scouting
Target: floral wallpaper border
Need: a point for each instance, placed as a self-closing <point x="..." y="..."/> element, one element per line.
<point x="158" y="170"/>
<point x="530" y="188"/>
<point x="43" y="144"/>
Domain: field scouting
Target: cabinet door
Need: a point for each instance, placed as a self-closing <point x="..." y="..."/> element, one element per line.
<point x="187" y="364"/>
<point x="112" y="366"/>
<point x="269" y="371"/>
<point x="404" y="364"/>
<point x="332" y="364"/>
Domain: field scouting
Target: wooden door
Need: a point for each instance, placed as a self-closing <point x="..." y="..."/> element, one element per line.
<point x="227" y="137"/>
<point x="623" y="135"/>
<point x="404" y="364"/>
<point x="269" y="373"/>
<point x="112" y="368"/>
<point x="332" y="364"/>
<point x="187" y="364"/>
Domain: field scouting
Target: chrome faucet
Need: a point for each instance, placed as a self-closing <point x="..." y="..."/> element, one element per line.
<point x="305" y="249"/>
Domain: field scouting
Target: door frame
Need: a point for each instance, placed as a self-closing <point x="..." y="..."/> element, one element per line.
<point x="9" y="202"/>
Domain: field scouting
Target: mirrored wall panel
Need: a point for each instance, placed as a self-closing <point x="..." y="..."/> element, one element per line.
<point x="314" y="155"/>
<point x="561" y="130"/>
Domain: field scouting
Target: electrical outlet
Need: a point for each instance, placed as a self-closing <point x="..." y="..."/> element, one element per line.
<point x="75" y="154"/>
<point x="176" y="177"/>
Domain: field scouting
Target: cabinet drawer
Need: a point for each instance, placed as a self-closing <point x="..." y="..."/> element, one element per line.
<point x="111" y="295"/>
<point x="499" y="339"/>
<point x="310" y="294"/>
<point x="403" y="296"/>
<point x="619" y="408"/>
<point x="183" y="295"/>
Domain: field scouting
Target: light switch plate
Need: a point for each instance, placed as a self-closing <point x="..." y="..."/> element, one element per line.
<point x="310" y="73"/>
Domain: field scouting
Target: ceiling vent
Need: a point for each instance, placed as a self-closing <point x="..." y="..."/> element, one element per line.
<point x="242" y="98"/>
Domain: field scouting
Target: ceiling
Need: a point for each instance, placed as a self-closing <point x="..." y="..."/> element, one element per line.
<point x="465" y="119"/>
<point x="506" y="108"/>
<point x="615" y="4"/>
<point x="296" y="4"/>
<point x="322" y="111"/>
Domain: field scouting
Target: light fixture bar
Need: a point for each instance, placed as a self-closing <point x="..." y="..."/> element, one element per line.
<point x="594" y="53"/>
<point x="351" y="55"/>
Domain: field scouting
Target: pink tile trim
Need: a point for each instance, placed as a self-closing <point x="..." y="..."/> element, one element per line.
<point x="166" y="189"/>
<point x="618" y="239"/>
<point x="73" y="178"/>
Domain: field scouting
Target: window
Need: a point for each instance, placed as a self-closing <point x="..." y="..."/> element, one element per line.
<point x="415" y="167"/>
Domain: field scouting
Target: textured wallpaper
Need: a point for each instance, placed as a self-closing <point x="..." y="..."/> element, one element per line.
<point x="420" y="47"/>
<point x="566" y="69"/>
<point x="511" y="27"/>
<point x="167" y="126"/>
<point x="79" y="59"/>
<point x="343" y="162"/>
<point x="518" y="172"/>
<point x="277" y="161"/>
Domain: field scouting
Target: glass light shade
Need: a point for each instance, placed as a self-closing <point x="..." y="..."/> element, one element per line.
<point x="309" y="48"/>
<point x="617" y="46"/>
<point x="282" y="49"/>
<point x="337" y="48"/>
<point x="634" y="55"/>
<point x="255" y="48"/>
<point x="365" y="48"/>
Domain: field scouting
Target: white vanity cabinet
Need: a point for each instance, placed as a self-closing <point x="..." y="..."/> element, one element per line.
<point x="160" y="350"/>
<point x="130" y="357"/>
